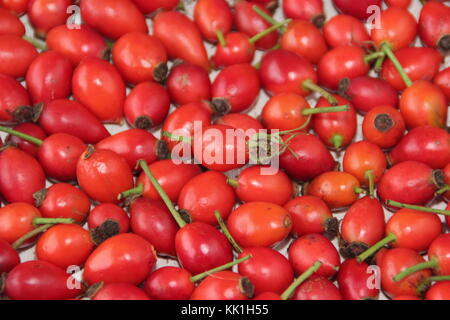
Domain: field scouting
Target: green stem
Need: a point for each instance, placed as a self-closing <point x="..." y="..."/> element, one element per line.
<point x="221" y="38"/>
<point x="221" y="268"/>
<point x="443" y="190"/>
<point x="233" y="182"/>
<point x="37" y="221"/>
<point x="418" y="208"/>
<point x="308" y="111"/>
<point x="373" y="56"/>
<point x="18" y="243"/>
<point x="370" y="178"/>
<point x="36" y="43"/>
<point x="138" y="190"/>
<point x="22" y="135"/>
<point x="379" y="63"/>
<point x="433" y="263"/>
<point x="305" y="275"/>
<point x="377" y="246"/>
<point x="337" y="140"/>
<point x="176" y="215"/>
<point x="264" y="15"/>
<point x="359" y="190"/>
<point x="269" y="30"/>
<point x="175" y="137"/>
<point x="226" y="232"/>
<point x="386" y="48"/>
<point x="439" y="278"/>
<point x="310" y="85"/>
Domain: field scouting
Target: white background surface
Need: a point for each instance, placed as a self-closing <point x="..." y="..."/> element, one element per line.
<point x="330" y="11"/>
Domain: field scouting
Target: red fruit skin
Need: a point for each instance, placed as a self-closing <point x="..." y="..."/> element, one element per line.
<point x="364" y="223"/>
<point x="103" y="175"/>
<point x="120" y="291"/>
<point x="329" y="125"/>
<point x="267" y="296"/>
<point x="39" y="280"/>
<point x="147" y="105"/>
<point x="439" y="250"/>
<point x="76" y="44"/>
<point x="10" y="24"/>
<point x="9" y="258"/>
<point x="133" y="145"/>
<point x="137" y="57"/>
<point x="304" y="39"/>
<point x="238" y="50"/>
<point x="204" y="194"/>
<point x="399" y="3"/>
<point x="439" y="291"/>
<point x="425" y="144"/>
<point x="407" y="224"/>
<point x="394" y="262"/>
<point x="16" y="220"/>
<point x="181" y="38"/>
<point x="447" y="194"/>
<point x="283" y="71"/>
<point x="442" y="80"/>
<point x="16" y="55"/>
<point x="12" y="97"/>
<point x="147" y="7"/>
<point x="353" y="278"/>
<point x="63" y="200"/>
<point x="240" y="121"/>
<point x="201" y="247"/>
<point x="313" y="158"/>
<point x="434" y="25"/>
<point x="366" y="93"/>
<point x="419" y="64"/>
<point x="67" y="116"/>
<point x="172" y="178"/>
<point x="251" y="23"/>
<point x="408" y="182"/>
<point x="109" y="211"/>
<point x="18" y="7"/>
<point x="49" y="77"/>
<point x="309" y="215"/>
<point x="99" y="87"/>
<point x="211" y="16"/>
<point x="16" y="167"/>
<point x="310" y="10"/>
<point x="267" y="270"/>
<point x="308" y="249"/>
<point x="239" y="85"/>
<point x="113" y="18"/>
<point x="317" y="288"/>
<point x="46" y="14"/>
<point x="357" y="10"/>
<point x="223" y="285"/>
<point x="169" y="283"/>
<point x="340" y="63"/>
<point x="345" y="30"/>
<point x="30" y="129"/>
<point x="188" y="83"/>
<point x="112" y="260"/>
<point x="253" y="185"/>
<point x="152" y="220"/>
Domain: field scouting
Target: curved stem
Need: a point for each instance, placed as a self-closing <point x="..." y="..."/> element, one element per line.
<point x="443" y="190"/>
<point x="226" y="232"/>
<point x="439" y="278"/>
<point x="418" y="208"/>
<point x="37" y="221"/>
<point x="221" y="268"/>
<point x="370" y="178"/>
<point x="264" y="15"/>
<point x="308" y="111"/>
<point x="22" y="135"/>
<point x="373" y="56"/>
<point x="176" y="215"/>
<point x="233" y="182"/>
<point x="337" y="140"/>
<point x="386" y="48"/>
<point x="304" y="276"/>
<point x="30" y="235"/>
<point x="433" y="263"/>
<point x="221" y="38"/>
<point x="36" y="43"/>
<point x="377" y="246"/>
<point x="175" y="137"/>
<point x="310" y="85"/>
<point x="269" y="30"/>
<point x="359" y="190"/>
<point x="138" y="190"/>
<point x="379" y="63"/>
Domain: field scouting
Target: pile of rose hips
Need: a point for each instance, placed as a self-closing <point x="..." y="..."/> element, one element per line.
<point x="148" y="207"/>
